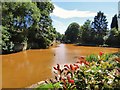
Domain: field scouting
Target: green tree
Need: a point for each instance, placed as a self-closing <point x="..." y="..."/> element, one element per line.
<point x="87" y="33"/>
<point x="114" y="23"/>
<point x="18" y="17"/>
<point x="45" y="34"/>
<point x="72" y="33"/>
<point x="59" y="36"/>
<point x="100" y="26"/>
<point x="114" y="37"/>
<point x="28" y="22"/>
<point x="5" y="44"/>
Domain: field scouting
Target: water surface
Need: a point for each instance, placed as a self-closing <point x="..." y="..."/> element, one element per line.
<point x="28" y="67"/>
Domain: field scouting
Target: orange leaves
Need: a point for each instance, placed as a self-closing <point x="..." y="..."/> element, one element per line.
<point x="57" y="68"/>
<point x="71" y="67"/>
<point x="82" y="60"/>
<point x="66" y="66"/>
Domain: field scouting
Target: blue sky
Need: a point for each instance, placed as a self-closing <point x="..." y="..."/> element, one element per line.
<point x="68" y="12"/>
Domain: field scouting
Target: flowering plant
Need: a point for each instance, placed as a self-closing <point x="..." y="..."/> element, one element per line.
<point x="94" y="72"/>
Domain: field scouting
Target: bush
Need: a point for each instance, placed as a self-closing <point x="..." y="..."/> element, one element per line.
<point x="94" y="72"/>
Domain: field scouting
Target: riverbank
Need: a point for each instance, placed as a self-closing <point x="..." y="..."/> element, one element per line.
<point x="24" y="47"/>
<point x="95" y="45"/>
<point x="36" y="84"/>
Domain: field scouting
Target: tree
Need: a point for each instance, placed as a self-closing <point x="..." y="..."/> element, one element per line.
<point x="19" y="15"/>
<point x="28" y="22"/>
<point x="114" y="23"/>
<point x="45" y="34"/>
<point x="114" y="37"/>
<point x="5" y="44"/>
<point x="87" y="33"/>
<point x="100" y="26"/>
<point x="59" y="37"/>
<point x="72" y="33"/>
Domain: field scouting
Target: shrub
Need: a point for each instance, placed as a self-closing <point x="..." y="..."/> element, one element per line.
<point x="94" y="72"/>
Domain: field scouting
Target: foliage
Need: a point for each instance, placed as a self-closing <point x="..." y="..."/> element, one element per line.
<point x="49" y="86"/>
<point x="28" y="22"/>
<point x="100" y="26"/>
<point x="59" y="37"/>
<point x="87" y="34"/>
<point x="100" y="23"/>
<point x="72" y="33"/>
<point x="94" y="72"/>
<point x="5" y="43"/>
<point x="45" y="33"/>
<point x="17" y="17"/>
<point x="114" y="23"/>
<point x="114" y="37"/>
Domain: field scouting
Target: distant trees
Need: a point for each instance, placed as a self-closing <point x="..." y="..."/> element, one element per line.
<point x="72" y="33"/>
<point x="100" y="23"/>
<point x="87" y="34"/>
<point x="114" y="23"/>
<point x="100" y="27"/>
<point x="95" y="32"/>
<point x="114" y="33"/>
<point x="59" y="37"/>
<point x="114" y="37"/>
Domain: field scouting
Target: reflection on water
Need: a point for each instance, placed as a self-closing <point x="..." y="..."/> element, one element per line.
<point x="28" y="67"/>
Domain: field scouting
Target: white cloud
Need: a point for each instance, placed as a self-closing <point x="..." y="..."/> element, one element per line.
<point x="62" y="13"/>
<point x="60" y="26"/>
<point x="85" y="0"/>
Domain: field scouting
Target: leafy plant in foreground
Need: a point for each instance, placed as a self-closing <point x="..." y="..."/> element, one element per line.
<point x="94" y="72"/>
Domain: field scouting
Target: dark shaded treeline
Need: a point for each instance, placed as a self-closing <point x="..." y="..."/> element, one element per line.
<point x="94" y="33"/>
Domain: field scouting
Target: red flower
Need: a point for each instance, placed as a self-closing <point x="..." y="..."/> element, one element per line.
<point x="71" y="81"/>
<point x="101" y="53"/>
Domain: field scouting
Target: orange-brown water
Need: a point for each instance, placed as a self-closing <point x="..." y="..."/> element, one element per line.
<point x="28" y="67"/>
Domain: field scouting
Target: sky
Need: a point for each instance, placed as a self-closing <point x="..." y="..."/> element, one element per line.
<point x="79" y="11"/>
